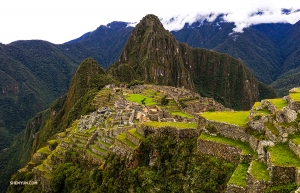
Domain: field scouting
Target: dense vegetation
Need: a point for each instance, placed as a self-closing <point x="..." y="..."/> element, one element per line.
<point x="176" y="169"/>
<point x="89" y="78"/>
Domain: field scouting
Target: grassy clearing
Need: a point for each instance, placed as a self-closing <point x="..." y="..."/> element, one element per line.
<point x="282" y="155"/>
<point x="239" y="175"/>
<point x="137" y="98"/>
<point x="295" y="138"/>
<point x="238" y="118"/>
<point x="279" y="103"/>
<point x="259" y="171"/>
<point x="182" y="114"/>
<point x="180" y="125"/>
<point x="246" y="149"/>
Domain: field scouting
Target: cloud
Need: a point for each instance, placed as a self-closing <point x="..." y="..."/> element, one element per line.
<point x="59" y="21"/>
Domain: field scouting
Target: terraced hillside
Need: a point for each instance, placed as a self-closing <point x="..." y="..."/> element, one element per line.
<point x="264" y="142"/>
<point x="261" y="143"/>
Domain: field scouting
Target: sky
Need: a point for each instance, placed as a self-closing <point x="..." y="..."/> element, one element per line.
<point x="59" y="21"/>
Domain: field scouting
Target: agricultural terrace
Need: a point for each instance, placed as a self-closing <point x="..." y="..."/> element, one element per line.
<point x="238" y="118"/>
<point x="239" y="175"/>
<point x="224" y="140"/>
<point x="279" y="103"/>
<point x="295" y="94"/>
<point x="282" y="155"/>
<point x="180" y="125"/>
<point x="259" y="171"/>
<point x="262" y="112"/>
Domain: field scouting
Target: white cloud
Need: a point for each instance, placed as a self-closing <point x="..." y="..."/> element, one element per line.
<point x="59" y="21"/>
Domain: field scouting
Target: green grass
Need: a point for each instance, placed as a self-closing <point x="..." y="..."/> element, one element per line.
<point x="264" y="111"/>
<point x="180" y="125"/>
<point x="138" y="98"/>
<point x="122" y="137"/>
<point x="239" y="175"/>
<point x="295" y="96"/>
<point x="94" y="154"/>
<point x="182" y="114"/>
<point x="238" y="118"/>
<point x="246" y="149"/>
<point x="43" y="150"/>
<point x="282" y="155"/>
<point x="256" y="104"/>
<point x="134" y="133"/>
<point x="279" y="103"/>
<point x="272" y="128"/>
<point x="295" y="138"/>
<point x="259" y="171"/>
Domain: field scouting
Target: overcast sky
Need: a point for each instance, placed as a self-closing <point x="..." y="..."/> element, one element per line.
<point x="59" y="21"/>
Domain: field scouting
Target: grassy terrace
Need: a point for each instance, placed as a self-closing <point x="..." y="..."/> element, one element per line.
<point x="89" y="151"/>
<point x="259" y="171"/>
<point x="43" y="150"/>
<point x="122" y="137"/>
<point x="180" y="125"/>
<point x="279" y="103"/>
<point x="295" y="138"/>
<point x="238" y="118"/>
<point x="246" y="149"/>
<point x="182" y="114"/>
<point x="282" y="155"/>
<point x="295" y="96"/>
<point x="134" y="133"/>
<point x="239" y="175"/>
<point x="138" y="99"/>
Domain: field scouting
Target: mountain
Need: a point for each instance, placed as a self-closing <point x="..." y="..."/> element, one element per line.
<point x="153" y="55"/>
<point x="270" y="51"/>
<point x="34" y="73"/>
<point x="104" y="44"/>
<point x="257" y="46"/>
<point x="88" y="79"/>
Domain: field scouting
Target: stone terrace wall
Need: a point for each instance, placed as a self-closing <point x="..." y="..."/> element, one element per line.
<point x="230" y="131"/>
<point x="235" y="189"/>
<point x="224" y="151"/>
<point x="294" y="105"/>
<point x="133" y="139"/>
<point x="281" y="174"/>
<point x="295" y="148"/>
<point x="253" y="185"/>
<point x="122" y="149"/>
<point x="162" y="131"/>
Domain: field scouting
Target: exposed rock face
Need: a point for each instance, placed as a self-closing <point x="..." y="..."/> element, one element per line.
<point x="258" y="123"/>
<point x="154" y="56"/>
<point x="262" y="155"/>
<point x="286" y="115"/>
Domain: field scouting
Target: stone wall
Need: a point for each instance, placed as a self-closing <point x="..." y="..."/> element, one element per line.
<point x="235" y="189"/>
<point x="295" y="148"/>
<point x="122" y="149"/>
<point x="255" y="186"/>
<point x="281" y="174"/>
<point x="162" y="131"/>
<point x="230" y="131"/>
<point x="294" y="105"/>
<point x="224" y="151"/>
<point x="133" y="139"/>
